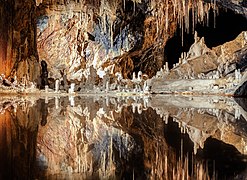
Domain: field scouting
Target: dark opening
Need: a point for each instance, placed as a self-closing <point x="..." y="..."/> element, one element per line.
<point x="228" y="26"/>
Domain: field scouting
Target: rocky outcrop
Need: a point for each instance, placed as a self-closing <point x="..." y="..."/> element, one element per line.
<point x="18" y="48"/>
<point x="220" y="70"/>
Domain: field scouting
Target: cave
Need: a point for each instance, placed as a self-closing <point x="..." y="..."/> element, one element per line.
<point x="98" y="89"/>
<point x="217" y="31"/>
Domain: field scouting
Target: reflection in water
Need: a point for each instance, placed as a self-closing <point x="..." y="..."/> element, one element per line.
<point x="18" y="135"/>
<point x="159" y="137"/>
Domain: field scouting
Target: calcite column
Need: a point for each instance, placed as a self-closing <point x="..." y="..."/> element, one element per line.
<point x="18" y="52"/>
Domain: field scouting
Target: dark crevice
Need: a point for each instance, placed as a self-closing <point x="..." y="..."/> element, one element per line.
<point x="228" y="26"/>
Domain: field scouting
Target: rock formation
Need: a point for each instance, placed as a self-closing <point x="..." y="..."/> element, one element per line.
<point x="119" y="37"/>
<point x="204" y="70"/>
<point x="18" y="47"/>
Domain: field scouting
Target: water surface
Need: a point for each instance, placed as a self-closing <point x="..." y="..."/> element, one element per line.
<point x="103" y="137"/>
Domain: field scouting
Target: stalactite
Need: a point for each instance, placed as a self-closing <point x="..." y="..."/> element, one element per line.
<point x="134" y="6"/>
<point x="207" y="19"/>
<point x="167" y="17"/>
<point x="157" y="28"/>
<point x="198" y="8"/>
<point x="111" y="33"/>
<point x="193" y="17"/>
<point x="181" y="11"/>
<point x="214" y="8"/>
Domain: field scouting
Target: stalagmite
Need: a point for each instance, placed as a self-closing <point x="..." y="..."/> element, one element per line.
<point x="139" y="76"/>
<point x="56" y="102"/>
<point x="72" y="88"/>
<point x="139" y="109"/>
<point x="107" y="86"/>
<point x="72" y="101"/>
<point x="46" y="100"/>
<point x="217" y="76"/>
<point x="237" y="74"/>
<point x="134" y="77"/>
<point x="167" y="67"/>
<point x="237" y="113"/>
<point x="57" y="85"/>
<point x="119" y="76"/>
<point x="46" y="89"/>
<point x="133" y="108"/>
<point x="145" y="87"/>
<point x="15" y="83"/>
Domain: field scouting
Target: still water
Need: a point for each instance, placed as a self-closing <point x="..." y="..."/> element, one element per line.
<point x="104" y="137"/>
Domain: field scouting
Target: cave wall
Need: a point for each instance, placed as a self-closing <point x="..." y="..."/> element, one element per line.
<point x="74" y="36"/>
<point x="119" y="36"/>
<point x="116" y="36"/>
<point x="18" y="52"/>
<point x="123" y="36"/>
<point x="5" y="16"/>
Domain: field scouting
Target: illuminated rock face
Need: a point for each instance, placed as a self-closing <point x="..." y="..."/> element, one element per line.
<point x="220" y="70"/>
<point x="72" y="37"/>
<point x="18" y="51"/>
<point x="118" y="37"/>
<point x="5" y="66"/>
